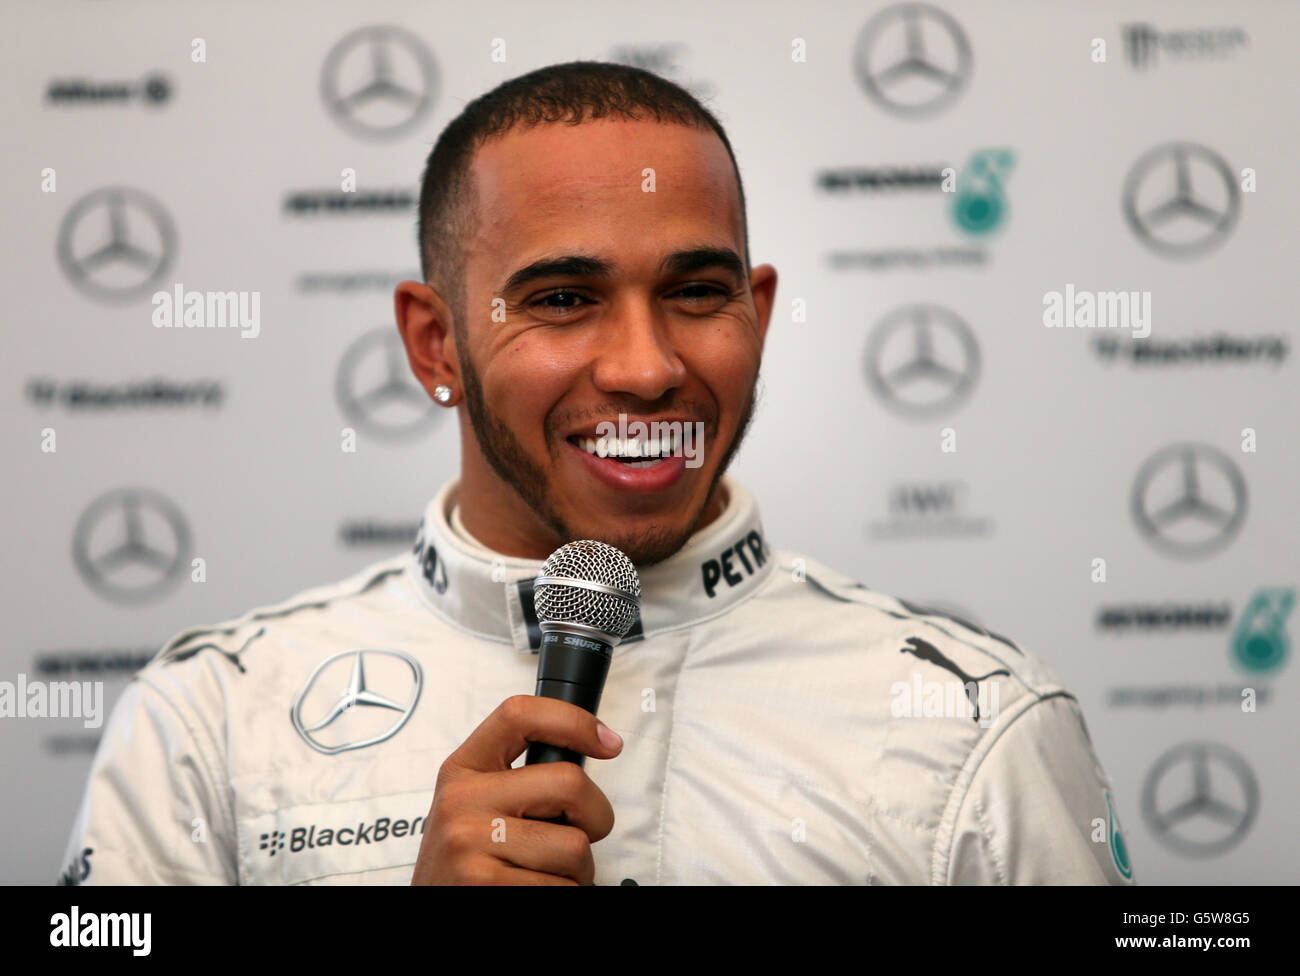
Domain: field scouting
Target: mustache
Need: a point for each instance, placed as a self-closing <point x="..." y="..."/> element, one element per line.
<point x="694" y="410"/>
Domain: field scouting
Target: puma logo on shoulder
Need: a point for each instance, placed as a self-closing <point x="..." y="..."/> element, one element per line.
<point x="928" y="652"/>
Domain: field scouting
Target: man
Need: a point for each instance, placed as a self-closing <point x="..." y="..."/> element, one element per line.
<point x="586" y="266"/>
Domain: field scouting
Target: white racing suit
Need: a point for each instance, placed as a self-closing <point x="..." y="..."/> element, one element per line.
<point x="781" y="724"/>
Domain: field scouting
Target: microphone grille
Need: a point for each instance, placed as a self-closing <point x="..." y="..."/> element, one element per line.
<point x="587" y="560"/>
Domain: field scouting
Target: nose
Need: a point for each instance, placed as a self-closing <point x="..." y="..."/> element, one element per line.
<point x="638" y="357"/>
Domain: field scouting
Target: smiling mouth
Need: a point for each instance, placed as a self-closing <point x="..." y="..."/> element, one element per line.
<point x="635" y="452"/>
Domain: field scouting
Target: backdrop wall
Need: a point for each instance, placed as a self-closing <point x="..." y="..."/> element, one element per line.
<point x="922" y="177"/>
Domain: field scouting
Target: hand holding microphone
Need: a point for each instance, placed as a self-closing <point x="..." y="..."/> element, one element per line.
<point x="493" y="824"/>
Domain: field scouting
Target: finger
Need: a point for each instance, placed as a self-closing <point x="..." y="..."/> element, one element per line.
<point x="508" y="874"/>
<point x="545" y="848"/>
<point x="504" y="735"/>
<point x="541" y="792"/>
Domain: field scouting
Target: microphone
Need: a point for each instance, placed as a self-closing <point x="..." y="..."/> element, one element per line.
<point x="586" y="599"/>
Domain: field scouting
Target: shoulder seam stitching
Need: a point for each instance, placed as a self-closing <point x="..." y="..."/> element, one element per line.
<point x="941" y="854"/>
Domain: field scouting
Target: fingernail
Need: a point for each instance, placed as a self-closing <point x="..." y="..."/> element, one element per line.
<point x="608" y="736"/>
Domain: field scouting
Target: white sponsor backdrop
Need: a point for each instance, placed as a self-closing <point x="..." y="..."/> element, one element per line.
<point x="230" y="447"/>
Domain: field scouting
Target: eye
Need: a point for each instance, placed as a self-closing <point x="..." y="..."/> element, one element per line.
<point x="546" y="301"/>
<point x="707" y="289"/>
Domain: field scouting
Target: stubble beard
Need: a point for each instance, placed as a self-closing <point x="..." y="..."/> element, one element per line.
<point x="511" y="462"/>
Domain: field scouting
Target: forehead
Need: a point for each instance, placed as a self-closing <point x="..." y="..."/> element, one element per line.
<point x="563" y="187"/>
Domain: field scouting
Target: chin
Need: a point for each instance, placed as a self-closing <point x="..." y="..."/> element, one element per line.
<point x="644" y="541"/>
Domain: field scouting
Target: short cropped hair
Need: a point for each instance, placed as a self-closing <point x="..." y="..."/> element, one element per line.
<point x="573" y="93"/>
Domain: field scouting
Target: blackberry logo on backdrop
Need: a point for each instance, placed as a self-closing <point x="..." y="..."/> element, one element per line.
<point x="116" y="243"/>
<point x="912" y="59"/>
<point x="1189" y="500"/>
<point x="272" y="843"/>
<point x="1200" y="799"/>
<point x="379" y="82"/>
<point x="130" y="545"/>
<point x="1181" y="199"/>
<point x="1219" y="349"/>
<point x="155" y="393"/>
<point x="376" y="391"/>
<point x="922" y="360"/>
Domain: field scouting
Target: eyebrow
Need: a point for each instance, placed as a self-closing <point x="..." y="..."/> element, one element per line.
<point x="586" y="266"/>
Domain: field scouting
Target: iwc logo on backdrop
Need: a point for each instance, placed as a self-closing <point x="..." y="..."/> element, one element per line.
<point x="922" y="360"/>
<point x="1200" y="799"/>
<point x="115" y="244"/>
<point x="379" y="82"/>
<point x="1181" y="199"/>
<point x="912" y="59"/>
<point x="356" y="699"/>
<point x="376" y="391"/>
<point x="130" y="545"/>
<point x="1189" y="500"/>
<point x="929" y="509"/>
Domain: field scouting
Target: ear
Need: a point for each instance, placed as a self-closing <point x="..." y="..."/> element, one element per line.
<point x="762" y="284"/>
<point x="428" y="333"/>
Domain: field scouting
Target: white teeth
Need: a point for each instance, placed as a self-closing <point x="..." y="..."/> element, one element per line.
<point x="632" y="447"/>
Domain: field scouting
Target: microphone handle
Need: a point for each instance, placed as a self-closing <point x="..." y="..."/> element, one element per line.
<point x="584" y="696"/>
<point x="572" y="668"/>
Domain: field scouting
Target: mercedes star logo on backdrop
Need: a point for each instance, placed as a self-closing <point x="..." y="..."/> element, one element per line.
<point x="1181" y="199"/>
<point x="116" y="243"/>
<point x="1200" y="798"/>
<point x="912" y="59"/>
<point x="1189" y="500"/>
<point x="379" y="82"/>
<point x="356" y="699"/>
<point x="376" y="391"/>
<point x="922" y="360"/>
<point x="130" y="545"/>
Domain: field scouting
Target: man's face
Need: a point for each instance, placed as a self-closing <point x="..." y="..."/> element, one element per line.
<point x="616" y="291"/>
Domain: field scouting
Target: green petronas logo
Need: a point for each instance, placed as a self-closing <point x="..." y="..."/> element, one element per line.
<point x="1118" y="849"/>
<point x="1260" y="642"/>
<point x="981" y="202"/>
